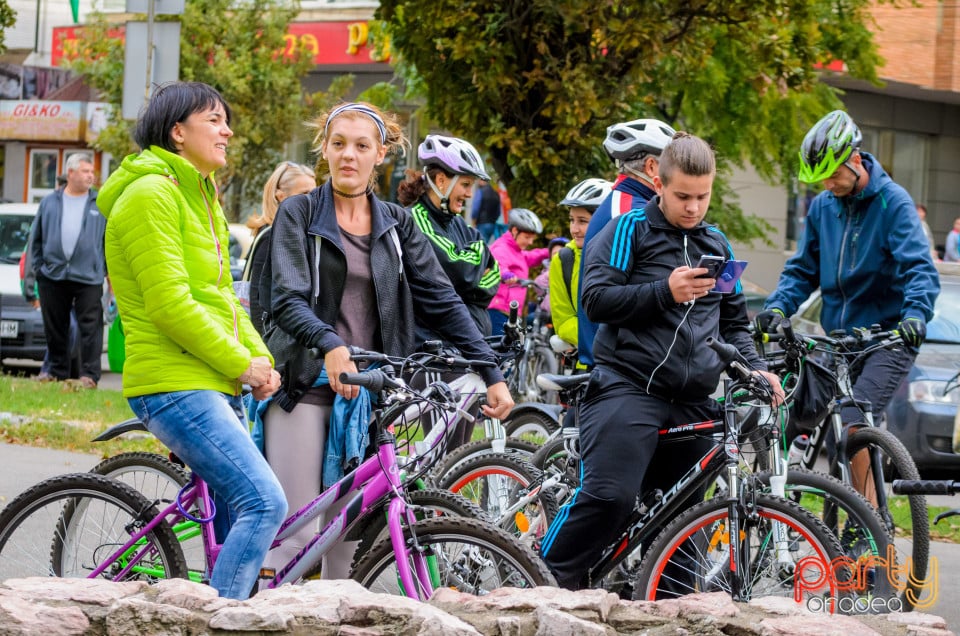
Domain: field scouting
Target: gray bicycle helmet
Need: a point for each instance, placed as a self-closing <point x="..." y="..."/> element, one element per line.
<point x="827" y="146"/>
<point x="524" y="220"/>
<point x="588" y="194"/>
<point x="631" y="139"/>
<point x="453" y="155"/>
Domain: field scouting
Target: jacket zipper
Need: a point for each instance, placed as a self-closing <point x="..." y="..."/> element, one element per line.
<point x="843" y="245"/>
<point x="216" y="242"/>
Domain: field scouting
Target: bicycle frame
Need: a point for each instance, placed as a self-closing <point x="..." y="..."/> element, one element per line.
<point x="649" y="519"/>
<point x="840" y="462"/>
<point x="376" y="478"/>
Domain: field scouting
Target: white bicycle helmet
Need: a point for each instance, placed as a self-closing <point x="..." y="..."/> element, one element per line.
<point x="524" y="220"/>
<point x="454" y="155"/>
<point x="588" y="194"/>
<point x="631" y="139"/>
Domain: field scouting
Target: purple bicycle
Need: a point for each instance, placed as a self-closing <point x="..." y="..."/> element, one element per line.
<point x="90" y="526"/>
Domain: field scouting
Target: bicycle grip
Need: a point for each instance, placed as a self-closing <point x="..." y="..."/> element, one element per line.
<point x="925" y="486"/>
<point x="373" y="380"/>
<point x="514" y="311"/>
<point x="730" y="357"/>
<point x="787" y="328"/>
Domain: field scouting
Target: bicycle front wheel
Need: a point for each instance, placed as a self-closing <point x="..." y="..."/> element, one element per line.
<point x="693" y="553"/>
<point x="464" y="554"/>
<point x="70" y="525"/>
<point x="894" y="462"/>
<point x="862" y="535"/>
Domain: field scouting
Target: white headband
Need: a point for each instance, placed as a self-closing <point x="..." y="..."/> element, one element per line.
<point x="360" y="108"/>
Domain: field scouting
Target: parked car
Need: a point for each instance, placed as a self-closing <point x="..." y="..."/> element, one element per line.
<point x="21" y="326"/>
<point x="921" y="413"/>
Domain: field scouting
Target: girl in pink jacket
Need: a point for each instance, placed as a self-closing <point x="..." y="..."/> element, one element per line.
<point x="515" y="259"/>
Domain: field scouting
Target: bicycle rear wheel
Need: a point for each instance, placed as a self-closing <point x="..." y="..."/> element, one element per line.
<point x="519" y="448"/>
<point x="692" y="553"/>
<point x="160" y="480"/>
<point x="69" y="525"/>
<point x="497" y="483"/>
<point x="470" y="556"/>
<point x="896" y="463"/>
<point x="532" y="426"/>
<point x="152" y="475"/>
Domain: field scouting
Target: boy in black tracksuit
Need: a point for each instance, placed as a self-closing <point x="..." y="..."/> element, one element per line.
<point x="653" y="369"/>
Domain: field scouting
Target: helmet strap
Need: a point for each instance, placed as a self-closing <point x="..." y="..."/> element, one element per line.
<point x="856" y="174"/>
<point x="444" y="198"/>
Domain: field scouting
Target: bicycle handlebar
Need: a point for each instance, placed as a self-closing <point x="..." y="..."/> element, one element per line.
<point x="374" y="380"/>
<point x="925" y="487"/>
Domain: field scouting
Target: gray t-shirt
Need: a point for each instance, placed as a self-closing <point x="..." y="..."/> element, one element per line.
<point x="71" y="222"/>
<point x="358" y="323"/>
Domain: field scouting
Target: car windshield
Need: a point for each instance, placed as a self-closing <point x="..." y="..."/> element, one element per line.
<point x="945" y="326"/>
<point x="14" y="232"/>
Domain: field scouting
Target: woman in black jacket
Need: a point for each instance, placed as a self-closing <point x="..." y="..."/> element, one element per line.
<point x="349" y="269"/>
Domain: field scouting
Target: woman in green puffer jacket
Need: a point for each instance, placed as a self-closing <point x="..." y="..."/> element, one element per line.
<point x="190" y="345"/>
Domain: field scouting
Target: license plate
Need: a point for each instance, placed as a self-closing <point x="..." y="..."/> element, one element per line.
<point x="9" y="328"/>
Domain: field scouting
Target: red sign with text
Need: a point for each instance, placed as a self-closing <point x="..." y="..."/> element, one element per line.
<point x="330" y="43"/>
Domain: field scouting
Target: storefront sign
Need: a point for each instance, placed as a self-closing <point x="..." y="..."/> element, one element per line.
<point x="330" y="43"/>
<point x="41" y="120"/>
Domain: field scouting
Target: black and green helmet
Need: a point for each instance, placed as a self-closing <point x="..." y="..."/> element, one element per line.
<point x="827" y="146"/>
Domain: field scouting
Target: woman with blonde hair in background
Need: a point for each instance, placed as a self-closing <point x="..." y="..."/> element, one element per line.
<point x="349" y="269"/>
<point x="288" y="179"/>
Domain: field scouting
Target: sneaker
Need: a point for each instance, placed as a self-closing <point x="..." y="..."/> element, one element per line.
<point x="45" y="377"/>
<point x="88" y="382"/>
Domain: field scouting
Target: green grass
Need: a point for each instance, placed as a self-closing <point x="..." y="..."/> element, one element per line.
<point x="55" y="415"/>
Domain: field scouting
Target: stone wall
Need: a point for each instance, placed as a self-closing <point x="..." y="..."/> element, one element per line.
<point x="70" y="607"/>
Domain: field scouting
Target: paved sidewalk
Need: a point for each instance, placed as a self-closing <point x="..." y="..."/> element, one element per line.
<point x="23" y="466"/>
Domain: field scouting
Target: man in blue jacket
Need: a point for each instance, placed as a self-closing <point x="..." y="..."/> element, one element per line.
<point x="635" y="147"/>
<point x="864" y="247"/>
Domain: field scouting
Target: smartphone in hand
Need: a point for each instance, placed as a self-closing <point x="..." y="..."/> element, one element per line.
<point x="713" y="264"/>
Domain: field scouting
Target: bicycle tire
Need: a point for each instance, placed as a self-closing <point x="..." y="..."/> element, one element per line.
<point x="702" y="527"/>
<point x="160" y="480"/>
<point x="144" y="472"/>
<point x="471" y="556"/>
<point x="522" y="449"/>
<point x="530" y="426"/>
<point x="542" y="360"/>
<point x="846" y="514"/>
<point x="441" y="503"/>
<point x="60" y="506"/>
<point x="899" y="464"/>
<point x="507" y="478"/>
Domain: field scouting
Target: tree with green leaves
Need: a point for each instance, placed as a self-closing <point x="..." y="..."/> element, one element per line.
<point x="8" y="17"/>
<point x="535" y="83"/>
<point x="236" y="47"/>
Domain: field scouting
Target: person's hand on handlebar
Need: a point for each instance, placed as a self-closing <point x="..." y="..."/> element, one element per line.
<point x="913" y="331"/>
<point x="768" y="320"/>
<point x="499" y="401"/>
<point x="338" y="361"/>
<point x="777" y="390"/>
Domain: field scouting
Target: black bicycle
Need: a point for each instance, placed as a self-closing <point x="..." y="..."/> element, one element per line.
<point x="863" y="455"/>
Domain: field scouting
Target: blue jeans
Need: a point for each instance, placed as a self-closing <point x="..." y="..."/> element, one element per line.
<point x="206" y="430"/>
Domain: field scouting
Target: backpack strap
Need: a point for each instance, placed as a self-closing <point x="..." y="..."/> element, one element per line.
<point x="566" y="264"/>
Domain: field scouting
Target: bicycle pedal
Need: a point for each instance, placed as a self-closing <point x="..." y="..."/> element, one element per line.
<point x="267" y="573"/>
